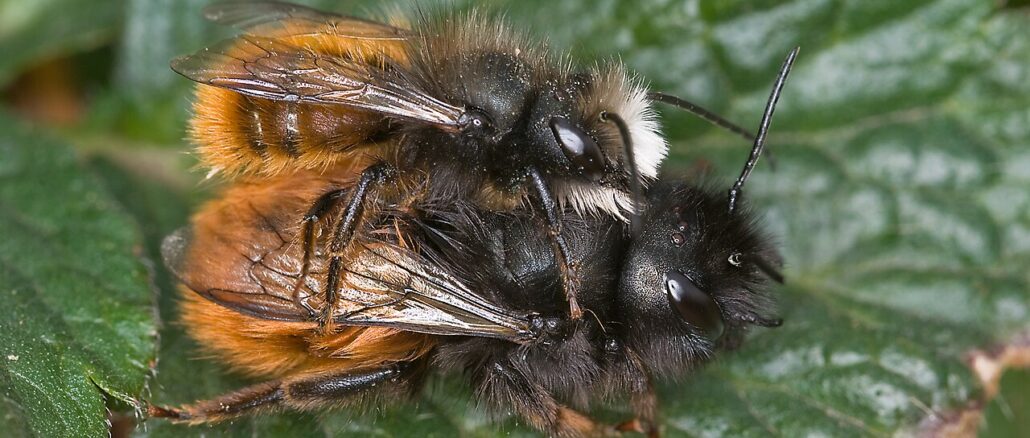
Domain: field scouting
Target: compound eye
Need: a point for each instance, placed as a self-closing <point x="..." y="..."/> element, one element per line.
<point x="695" y="306"/>
<point x="579" y="148"/>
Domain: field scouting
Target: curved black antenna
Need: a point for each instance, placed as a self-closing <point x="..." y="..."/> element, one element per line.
<point x="763" y="129"/>
<point x="631" y="161"/>
<point x="704" y="114"/>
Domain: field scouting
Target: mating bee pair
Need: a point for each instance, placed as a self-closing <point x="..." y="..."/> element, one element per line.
<point x="386" y="222"/>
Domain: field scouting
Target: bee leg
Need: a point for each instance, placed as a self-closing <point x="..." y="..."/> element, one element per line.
<point x="506" y="387"/>
<point x="643" y="398"/>
<point x="567" y="267"/>
<point x="304" y="392"/>
<point x="371" y="177"/>
<point x="319" y="209"/>
<point x="252" y="399"/>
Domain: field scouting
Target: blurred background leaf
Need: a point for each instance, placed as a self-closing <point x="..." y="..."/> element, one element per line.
<point x="901" y="196"/>
<point x="42" y="30"/>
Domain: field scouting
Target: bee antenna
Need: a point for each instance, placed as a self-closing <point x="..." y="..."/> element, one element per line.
<point x="631" y="161"/>
<point x="700" y="112"/>
<point x="763" y="128"/>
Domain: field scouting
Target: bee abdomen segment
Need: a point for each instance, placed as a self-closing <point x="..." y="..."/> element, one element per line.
<point x="255" y="134"/>
<point x="239" y="134"/>
<point x="291" y="130"/>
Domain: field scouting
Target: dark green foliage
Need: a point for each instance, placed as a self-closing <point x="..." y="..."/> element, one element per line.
<point x="901" y="197"/>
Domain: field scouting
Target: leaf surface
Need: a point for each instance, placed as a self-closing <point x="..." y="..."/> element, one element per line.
<point x="76" y="321"/>
<point x="901" y="197"/>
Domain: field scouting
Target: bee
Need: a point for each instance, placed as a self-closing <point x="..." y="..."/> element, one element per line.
<point x="455" y="107"/>
<point x="441" y="285"/>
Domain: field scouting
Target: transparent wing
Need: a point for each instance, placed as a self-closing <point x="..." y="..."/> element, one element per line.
<point x="390" y="285"/>
<point x="234" y="281"/>
<point x="243" y="253"/>
<point x="271" y="69"/>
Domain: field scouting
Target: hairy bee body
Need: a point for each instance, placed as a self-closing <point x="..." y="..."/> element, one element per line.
<point x="382" y="230"/>
<point x="238" y="265"/>
<point x="456" y="107"/>
<point x="449" y="72"/>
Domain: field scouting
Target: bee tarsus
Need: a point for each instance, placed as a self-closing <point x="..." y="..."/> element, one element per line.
<point x="533" y="402"/>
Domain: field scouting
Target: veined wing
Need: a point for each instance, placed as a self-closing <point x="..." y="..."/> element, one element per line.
<point x="390" y="285"/>
<point x="272" y="69"/>
<point x="242" y="252"/>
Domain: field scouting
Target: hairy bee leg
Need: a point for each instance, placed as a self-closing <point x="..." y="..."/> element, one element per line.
<point x="299" y="393"/>
<point x="314" y="215"/>
<point x="506" y="387"/>
<point x="566" y="266"/>
<point x="350" y="216"/>
<point x="643" y="398"/>
<point x="252" y="399"/>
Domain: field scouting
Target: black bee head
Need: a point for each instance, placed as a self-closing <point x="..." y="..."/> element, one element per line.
<point x="595" y="133"/>
<point x="696" y="274"/>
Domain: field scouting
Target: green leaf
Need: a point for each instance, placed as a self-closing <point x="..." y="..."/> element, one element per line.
<point x="900" y="197"/>
<point x="34" y="31"/>
<point x="1009" y="414"/>
<point x="76" y="326"/>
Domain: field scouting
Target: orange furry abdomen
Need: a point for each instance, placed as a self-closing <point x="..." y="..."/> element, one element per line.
<point x="237" y="134"/>
<point x="258" y="219"/>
